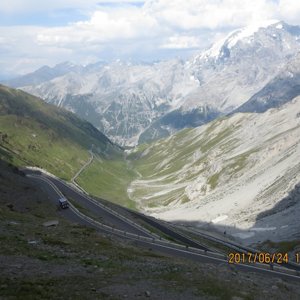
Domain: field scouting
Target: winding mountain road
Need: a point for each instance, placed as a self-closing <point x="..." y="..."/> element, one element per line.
<point x="117" y="225"/>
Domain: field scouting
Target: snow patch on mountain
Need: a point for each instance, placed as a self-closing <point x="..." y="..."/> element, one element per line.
<point x="216" y="50"/>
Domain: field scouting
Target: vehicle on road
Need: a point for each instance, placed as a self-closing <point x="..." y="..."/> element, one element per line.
<point x="63" y="203"/>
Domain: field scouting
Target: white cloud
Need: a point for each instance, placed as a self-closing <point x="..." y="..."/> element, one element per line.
<point x="289" y="10"/>
<point x="177" y="23"/>
<point x="103" y="27"/>
<point x="19" y="53"/>
<point x="161" y="18"/>
<point x="181" y="42"/>
<point x="17" y="6"/>
<point x="195" y="14"/>
<point x="129" y="30"/>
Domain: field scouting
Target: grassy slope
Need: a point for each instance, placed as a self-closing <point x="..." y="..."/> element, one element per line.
<point x="163" y="162"/>
<point x="39" y="134"/>
<point x="34" y="133"/>
<point x="228" y="152"/>
<point x="108" y="179"/>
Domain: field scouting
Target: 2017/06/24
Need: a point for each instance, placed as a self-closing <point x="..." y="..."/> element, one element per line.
<point x="263" y="258"/>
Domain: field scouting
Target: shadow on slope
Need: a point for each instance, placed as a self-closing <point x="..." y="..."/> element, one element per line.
<point x="279" y="224"/>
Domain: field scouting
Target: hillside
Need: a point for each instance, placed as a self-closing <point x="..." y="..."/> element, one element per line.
<point x="34" y="133"/>
<point x="226" y="172"/>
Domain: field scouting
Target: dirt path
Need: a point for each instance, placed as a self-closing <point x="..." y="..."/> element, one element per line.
<point x="83" y="167"/>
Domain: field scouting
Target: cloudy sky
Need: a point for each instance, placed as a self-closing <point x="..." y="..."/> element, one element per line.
<point x="34" y="32"/>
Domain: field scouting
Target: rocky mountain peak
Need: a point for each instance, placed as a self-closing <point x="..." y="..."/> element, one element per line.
<point x="271" y="35"/>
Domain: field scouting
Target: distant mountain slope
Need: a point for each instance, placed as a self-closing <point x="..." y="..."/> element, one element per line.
<point x="43" y="74"/>
<point x="38" y="134"/>
<point x="227" y="171"/>
<point x="282" y="89"/>
<point x="120" y="99"/>
<point x="176" y="120"/>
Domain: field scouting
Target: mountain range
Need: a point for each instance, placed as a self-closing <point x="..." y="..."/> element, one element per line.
<point x="207" y="149"/>
<point x="240" y="170"/>
<point x="136" y="103"/>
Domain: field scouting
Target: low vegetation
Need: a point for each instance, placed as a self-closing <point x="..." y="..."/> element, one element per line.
<point x="37" y="134"/>
<point x="70" y="261"/>
<point x="108" y="179"/>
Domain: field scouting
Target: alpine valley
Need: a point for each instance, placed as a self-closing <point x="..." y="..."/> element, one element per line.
<point x="211" y="141"/>
<point x="139" y="161"/>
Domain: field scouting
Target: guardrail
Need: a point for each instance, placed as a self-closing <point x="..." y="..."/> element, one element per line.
<point x="164" y="243"/>
<point x="74" y="186"/>
<point x="240" y="248"/>
<point x="220" y="241"/>
<point x="107" y="209"/>
<point x="111" y="211"/>
<point x="125" y="233"/>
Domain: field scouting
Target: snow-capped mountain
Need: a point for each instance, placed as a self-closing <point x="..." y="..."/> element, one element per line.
<point x="239" y="66"/>
<point x="141" y="102"/>
<point x="221" y="50"/>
